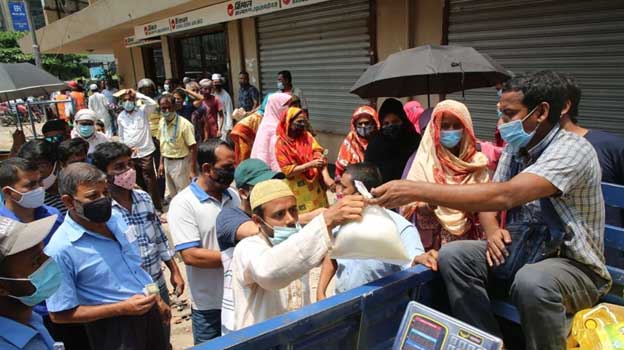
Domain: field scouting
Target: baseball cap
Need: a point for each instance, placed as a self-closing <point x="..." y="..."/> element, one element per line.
<point x="85" y="114"/>
<point x="253" y="171"/>
<point x="267" y="191"/>
<point x="15" y="237"/>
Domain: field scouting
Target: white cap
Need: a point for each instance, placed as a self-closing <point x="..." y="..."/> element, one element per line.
<point x="205" y="83"/>
<point x="16" y="237"/>
<point x="93" y="87"/>
<point x="217" y="77"/>
<point x="85" y="114"/>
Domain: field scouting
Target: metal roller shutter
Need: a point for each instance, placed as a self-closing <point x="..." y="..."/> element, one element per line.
<point x="326" y="47"/>
<point x="579" y="37"/>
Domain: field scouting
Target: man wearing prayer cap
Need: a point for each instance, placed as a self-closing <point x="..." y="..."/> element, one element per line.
<point x="264" y="264"/>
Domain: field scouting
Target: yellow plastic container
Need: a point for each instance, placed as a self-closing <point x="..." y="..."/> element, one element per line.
<point x="598" y="328"/>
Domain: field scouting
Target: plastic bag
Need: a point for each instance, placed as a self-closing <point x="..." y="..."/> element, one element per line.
<point x="598" y="328"/>
<point x="374" y="237"/>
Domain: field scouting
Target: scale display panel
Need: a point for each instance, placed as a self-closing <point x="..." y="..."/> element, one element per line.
<point x="424" y="328"/>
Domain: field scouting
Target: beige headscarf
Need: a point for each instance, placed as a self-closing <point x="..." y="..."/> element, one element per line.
<point x="436" y="164"/>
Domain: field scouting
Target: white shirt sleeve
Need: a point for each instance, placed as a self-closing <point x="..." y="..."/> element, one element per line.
<point x="276" y="267"/>
<point x="182" y="224"/>
<point x="149" y="106"/>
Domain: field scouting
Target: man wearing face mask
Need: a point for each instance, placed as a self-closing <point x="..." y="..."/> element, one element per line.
<point x="137" y="210"/>
<point x="264" y="264"/>
<point x="178" y="149"/>
<point x="541" y="167"/>
<point x="285" y="85"/>
<point x="27" y="278"/>
<point x="55" y="131"/>
<point x="235" y="224"/>
<point x="84" y="128"/>
<point x="134" y="130"/>
<point x="103" y="284"/>
<point x="192" y="220"/>
<point x="44" y="155"/>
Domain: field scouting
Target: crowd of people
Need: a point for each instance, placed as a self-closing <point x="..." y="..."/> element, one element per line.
<point x="83" y="249"/>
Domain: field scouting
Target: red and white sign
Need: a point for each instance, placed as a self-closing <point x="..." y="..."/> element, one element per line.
<point x="219" y="13"/>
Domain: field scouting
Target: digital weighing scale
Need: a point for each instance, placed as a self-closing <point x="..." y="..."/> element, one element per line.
<point x="424" y="328"/>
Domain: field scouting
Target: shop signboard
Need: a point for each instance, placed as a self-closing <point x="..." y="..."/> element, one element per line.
<point x="219" y="13"/>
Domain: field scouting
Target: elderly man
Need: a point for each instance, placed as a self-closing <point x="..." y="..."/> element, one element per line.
<point x="134" y="131"/>
<point x="544" y="173"/>
<point x="264" y="264"/>
<point x="84" y="128"/>
<point x="103" y="284"/>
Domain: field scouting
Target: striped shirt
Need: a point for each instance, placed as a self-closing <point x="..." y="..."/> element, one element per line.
<point x="570" y="163"/>
<point x="144" y="226"/>
<point x="54" y="200"/>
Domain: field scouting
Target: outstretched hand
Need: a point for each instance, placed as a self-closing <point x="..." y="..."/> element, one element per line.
<point x="393" y="194"/>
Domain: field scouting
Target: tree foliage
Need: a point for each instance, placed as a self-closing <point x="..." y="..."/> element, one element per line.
<point x="64" y="66"/>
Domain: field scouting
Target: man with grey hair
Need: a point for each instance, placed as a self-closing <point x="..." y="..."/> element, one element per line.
<point x="103" y="284"/>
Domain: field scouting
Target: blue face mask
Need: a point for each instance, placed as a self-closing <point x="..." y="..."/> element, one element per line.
<point x="513" y="133"/>
<point x="281" y="233"/>
<point x="451" y="138"/>
<point x="280" y="85"/>
<point x="86" y="130"/>
<point x="128" y="106"/>
<point x="46" y="280"/>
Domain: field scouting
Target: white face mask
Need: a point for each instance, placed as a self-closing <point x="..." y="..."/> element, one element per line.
<point x="31" y="199"/>
<point x="49" y="181"/>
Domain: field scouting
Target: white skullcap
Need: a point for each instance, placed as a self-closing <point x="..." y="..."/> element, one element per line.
<point x="85" y="114"/>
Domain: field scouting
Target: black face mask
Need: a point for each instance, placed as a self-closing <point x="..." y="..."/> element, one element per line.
<point x="98" y="211"/>
<point x="225" y="176"/>
<point x="298" y="129"/>
<point x="391" y="131"/>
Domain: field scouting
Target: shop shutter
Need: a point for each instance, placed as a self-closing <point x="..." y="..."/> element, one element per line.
<point x="579" y="37"/>
<point x="326" y="47"/>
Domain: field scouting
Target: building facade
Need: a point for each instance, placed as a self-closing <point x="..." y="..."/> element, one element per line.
<point x="327" y="44"/>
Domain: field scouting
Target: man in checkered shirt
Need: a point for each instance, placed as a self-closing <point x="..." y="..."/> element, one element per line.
<point x="137" y="210"/>
<point x="540" y="161"/>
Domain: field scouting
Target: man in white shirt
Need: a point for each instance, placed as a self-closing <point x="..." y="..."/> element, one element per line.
<point x="84" y="128"/>
<point x="264" y="264"/>
<point x="99" y="104"/>
<point x="192" y="220"/>
<point x="134" y="131"/>
<point x="226" y="100"/>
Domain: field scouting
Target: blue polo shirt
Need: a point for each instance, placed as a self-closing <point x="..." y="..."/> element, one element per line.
<point x="17" y="336"/>
<point x="96" y="270"/>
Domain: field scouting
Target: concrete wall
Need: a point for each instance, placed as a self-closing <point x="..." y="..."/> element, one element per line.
<point x="235" y="51"/>
<point x="250" y="50"/>
<point x="130" y="73"/>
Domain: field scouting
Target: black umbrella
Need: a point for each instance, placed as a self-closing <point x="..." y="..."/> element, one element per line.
<point x="21" y="80"/>
<point x="429" y="69"/>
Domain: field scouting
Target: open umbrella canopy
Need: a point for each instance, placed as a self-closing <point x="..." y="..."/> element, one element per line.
<point x="21" y="80"/>
<point x="429" y="69"/>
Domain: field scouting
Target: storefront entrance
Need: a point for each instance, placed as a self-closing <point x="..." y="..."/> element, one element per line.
<point x="202" y="55"/>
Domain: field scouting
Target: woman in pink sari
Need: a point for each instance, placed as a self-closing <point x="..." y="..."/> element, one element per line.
<point x="264" y="144"/>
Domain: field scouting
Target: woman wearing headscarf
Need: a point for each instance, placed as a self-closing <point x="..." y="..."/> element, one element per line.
<point x="364" y="125"/>
<point x="398" y="139"/>
<point x="447" y="155"/>
<point x="301" y="159"/>
<point x="244" y="132"/>
<point x="264" y="144"/>
<point x="414" y="110"/>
